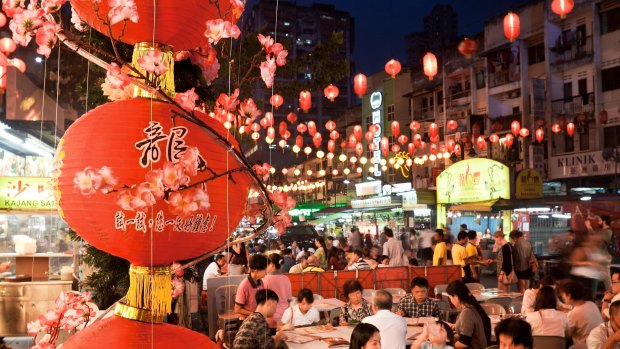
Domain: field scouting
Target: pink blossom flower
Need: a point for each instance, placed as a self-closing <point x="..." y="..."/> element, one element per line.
<point x="10" y="7"/>
<point x="116" y="77"/>
<point x="50" y="6"/>
<point x="253" y="211"/>
<point x="46" y="38"/>
<point x="87" y="181"/>
<point x="155" y="180"/>
<point x="228" y="102"/>
<point x="263" y="171"/>
<point x="189" y="161"/>
<point x="174" y="176"/>
<point x="218" y="29"/>
<point x="202" y="199"/>
<point x="116" y="94"/>
<point x="237" y="7"/>
<point x="35" y="327"/>
<point x="206" y="60"/>
<point x="141" y="197"/>
<point x="50" y="318"/>
<point x="153" y="62"/>
<point x="276" y="48"/>
<point x="268" y="71"/>
<point x="24" y="22"/>
<point x="282" y="200"/>
<point x="109" y="181"/>
<point x="266" y="41"/>
<point x="175" y="266"/>
<point x="248" y="109"/>
<point x="181" y="55"/>
<point x="44" y="343"/>
<point x="281" y="221"/>
<point x="281" y="58"/>
<point x="183" y="204"/>
<point x="121" y="10"/>
<point x="187" y="99"/>
<point x="210" y="72"/>
<point x="124" y="199"/>
<point x="77" y="22"/>
<point x="178" y="286"/>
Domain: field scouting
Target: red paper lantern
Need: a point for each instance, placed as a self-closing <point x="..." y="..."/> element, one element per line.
<point x="540" y="135"/>
<point x="299" y="141"/>
<point x="311" y="128"/>
<point x="374" y="128"/>
<point x="395" y="127"/>
<point x="395" y="148"/>
<point x="271" y="133"/>
<point x="433" y="149"/>
<point x="422" y="145"/>
<point x="429" y="62"/>
<point x="494" y="138"/>
<point x="291" y="117"/>
<point x="372" y="146"/>
<point x="385" y="145"/>
<point x="524" y="132"/>
<point x="359" y="149"/>
<point x="146" y="141"/>
<point x="344" y="144"/>
<point x="468" y="47"/>
<point x="352" y="140"/>
<point x="475" y="130"/>
<point x="331" y="92"/>
<point x="305" y="101"/>
<point x="556" y="128"/>
<point x="330" y="125"/>
<point x="402" y="139"/>
<point x="135" y="334"/>
<point x="276" y="100"/>
<point x="317" y="139"/>
<point x="562" y="7"/>
<point x="334" y="135"/>
<point x="331" y="145"/>
<point x="414" y="126"/>
<point x="570" y="129"/>
<point x="450" y="144"/>
<point x="180" y="25"/>
<point x="264" y="123"/>
<point x="357" y="132"/>
<point x="411" y="148"/>
<point x="481" y="143"/>
<point x="369" y="136"/>
<point x="269" y="118"/>
<point x="7" y="45"/>
<point x="392" y="67"/>
<point x="433" y="129"/>
<point x="360" y="84"/>
<point x="255" y="136"/>
<point x="508" y="140"/>
<point x="457" y="149"/>
<point x="417" y="139"/>
<point x="602" y="117"/>
<point x="287" y="134"/>
<point x="512" y="26"/>
<point x="302" y="128"/>
<point x="282" y="128"/>
<point x="515" y="127"/>
<point x="452" y="125"/>
<point x="435" y="139"/>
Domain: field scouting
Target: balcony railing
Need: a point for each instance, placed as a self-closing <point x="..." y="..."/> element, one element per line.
<point x="571" y="48"/>
<point x="502" y="77"/>
<point x="574" y="105"/>
<point x="460" y="98"/>
<point x="426" y="113"/>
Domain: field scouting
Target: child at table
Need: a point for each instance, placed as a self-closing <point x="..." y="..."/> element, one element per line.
<point x="300" y="314"/>
<point x="435" y="336"/>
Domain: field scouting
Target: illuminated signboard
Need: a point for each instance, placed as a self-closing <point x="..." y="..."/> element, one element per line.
<point x="305" y="209"/>
<point x="473" y="180"/>
<point x="368" y="188"/>
<point x="376" y="106"/>
<point x="26" y="193"/>
<point x="529" y="185"/>
<point x="374" y="202"/>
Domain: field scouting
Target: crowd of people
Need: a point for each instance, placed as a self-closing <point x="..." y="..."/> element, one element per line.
<point x="560" y="307"/>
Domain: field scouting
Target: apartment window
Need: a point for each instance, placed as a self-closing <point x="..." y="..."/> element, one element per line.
<point x="568" y="90"/>
<point x="584" y="136"/>
<point x="536" y="53"/>
<point x="611" y="79"/>
<point x="390" y="112"/>
<point x="582" y="86"/>
<point x="480" y="79"/>
<point x="610" y="21"/>
<point x="611" y="136"/>
<point x="569" y="143"/>
<point x="439" y="98"/>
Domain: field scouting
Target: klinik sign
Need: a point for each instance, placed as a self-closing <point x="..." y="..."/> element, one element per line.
<point x="376" y="106"/>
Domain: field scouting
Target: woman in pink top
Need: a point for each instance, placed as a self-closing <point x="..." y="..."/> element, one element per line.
<point x="274" y="280"/>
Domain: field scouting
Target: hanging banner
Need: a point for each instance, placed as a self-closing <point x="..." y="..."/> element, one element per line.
<point x="529" y="185"/>
<point x="473" y="180"/>
<point x="26" y="193"/>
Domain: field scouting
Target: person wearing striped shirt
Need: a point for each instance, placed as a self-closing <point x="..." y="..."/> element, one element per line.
<point x="356" y="261"/>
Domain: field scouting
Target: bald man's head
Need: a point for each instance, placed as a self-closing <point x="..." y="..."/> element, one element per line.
<point x="382" y="300"/>
<point x="313" y="261"/>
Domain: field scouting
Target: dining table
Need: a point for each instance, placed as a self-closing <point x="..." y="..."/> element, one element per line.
<point x="488" y="293"/>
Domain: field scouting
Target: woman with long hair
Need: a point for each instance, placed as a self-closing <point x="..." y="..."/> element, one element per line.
<point x="545" y="319"/>
<point x="365" y="336"/>
<point x="237" y="259"/>
<point x="321" y="252"/>
<point x="281" y="284"/>
<point x="473" y="325"/>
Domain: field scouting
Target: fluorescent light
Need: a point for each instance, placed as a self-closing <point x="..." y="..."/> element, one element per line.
<point x="37" y="150"/>
<point x="533" y="209"/>
<point x="41" y="146"/>
<point x="543" y="216"/>
<point x="346" y="181"/>
<point x="585" y="198"/>
<point x="561" y="216"/>
<point x="10" y="137"/>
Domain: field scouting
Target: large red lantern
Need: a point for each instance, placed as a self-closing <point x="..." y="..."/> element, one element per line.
<point x="417" y="139"/>
<point x="515" y="127"/>
<point x="457" y="149"/>
<point x="452" y="125"/>
<point x="317" y="139"/>
<point x="180" y="25"/>
<point x="330" y="125"/>
<point x="291" y="117"/>
<point x="468" y="47"/>
<point x="331" y="145"/>
<point x="151" y="139"/>
<point x="360" y="85"/>
<point x="429" y="63"/>
<point x="562" y="7"/>
<point x="331" y="92"/>
<point x="395" y="127"/>
<point x="402" y="139"/>
<point x="540" y="135"/>
<point x="556" y="128"/>
<point x="276" y="100"/>
<point x="524" y="132"/>
<point x="422" y="145"/>
<point x="374" y="128"/>
<point x="271" y="133"/>
<point x="512" y="26"/>
<point x="136" y="334"/>
<point x="357" y="132"/>
<point x="570" y="129"/>
<point x="414" y="126"/>
<point x="7" y="46"/>
<point x="334" y="135"/>
<point x="392" y="67"/>
<point x="305" y="101"/>
<point x="311" y="128"/>
<point x="433" y="129"/>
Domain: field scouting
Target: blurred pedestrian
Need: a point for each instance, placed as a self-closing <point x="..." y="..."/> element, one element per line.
<point x="522" y="258"/>
<point x="393" y="249"/>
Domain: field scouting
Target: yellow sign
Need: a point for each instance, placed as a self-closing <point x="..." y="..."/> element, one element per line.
<point x="529" y="184"/>
<point x="473" y="180"/>
<point x="26" y="193"/>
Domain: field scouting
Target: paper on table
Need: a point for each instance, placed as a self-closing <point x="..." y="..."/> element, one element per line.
<point x="299" y="338"/>
<point x="315" y="329"/>
<point x="420" y="321"/>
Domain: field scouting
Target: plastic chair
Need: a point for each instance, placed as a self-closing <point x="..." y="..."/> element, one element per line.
<point x="439" y="289"/>
<point x="503" y="301"/>
<point x="549" y="342"/>
<point x="395" y="291"/>
<point x="225" y="307"/>
<point x="516" y="306"/>
<point x="317" y="297"/>
<point x="493" y="309"/>
<point x="367" y="292"/>
<point x="475" y="286"/>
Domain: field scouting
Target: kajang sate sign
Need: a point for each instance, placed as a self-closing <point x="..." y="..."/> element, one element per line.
<point x="580" y="164"/>
<point x="26" y="193"/>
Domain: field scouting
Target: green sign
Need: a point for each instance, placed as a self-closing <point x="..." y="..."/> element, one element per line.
<point x="473" y="180"/>
<point x="26" y="193"/>
<point x="305" y="209"/>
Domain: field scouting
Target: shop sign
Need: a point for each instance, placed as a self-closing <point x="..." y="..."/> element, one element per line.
<point x="580" y="165"/>
<point x="305" y="209"/>
<point x="389" y="189"/>
<point x="529" y="184"/>
<point x="376" y="106"/>
<point x="26" y="193"/>
<point x="368" y="188"/>
<point x="410" y="200"/>
<point x="374" y="202"/>
<point x="473" y="180"/>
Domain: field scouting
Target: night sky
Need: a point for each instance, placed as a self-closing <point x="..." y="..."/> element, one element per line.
<point x="381" y="25"/>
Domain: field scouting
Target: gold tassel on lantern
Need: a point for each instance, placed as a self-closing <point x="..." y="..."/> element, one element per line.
<point x="149" y="296"/>
<point x="165" y="81"/>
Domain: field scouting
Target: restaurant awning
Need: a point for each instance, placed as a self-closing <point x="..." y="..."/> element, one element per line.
<point x="482" y="206"/>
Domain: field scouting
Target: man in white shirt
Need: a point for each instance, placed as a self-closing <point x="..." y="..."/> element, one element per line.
<point x="393" y="328"/>
<point x="393" y="248"/>
<point x="214" y="269"/>
<point x="426" y="246"/>
<point x="607" y="334"/>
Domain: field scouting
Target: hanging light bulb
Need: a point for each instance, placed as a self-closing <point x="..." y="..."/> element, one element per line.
<point x="297" y="172"/>
<point x="353" y="159"/>
<point x="320" y="154"/>
<point x="284" y="171"/>
<point x="334" y="172"/>
<point x="346" y="171"/>
<point x="309" y="172"/>
<point x="342" y="158"/>
<point x="296" y="148"/>
<point x="307" y="150"/>
<point x="363" y="160"/>
<point x="321" y="173"/>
